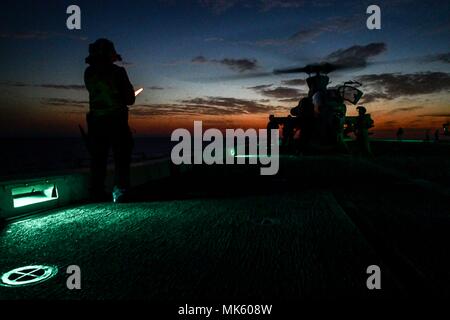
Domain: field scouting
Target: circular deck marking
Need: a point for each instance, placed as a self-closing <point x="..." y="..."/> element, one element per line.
<point x="27" y="275"/>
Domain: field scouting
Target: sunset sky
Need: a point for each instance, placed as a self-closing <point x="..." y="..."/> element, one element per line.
<point x="194" y="59"/>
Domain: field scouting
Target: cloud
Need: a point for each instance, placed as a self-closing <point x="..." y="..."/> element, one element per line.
<point x="199" y="59"/>
<point x="305" y="35"/>
<point x="59" y="102"/>
<point x="373" y="96"/>
<point x="62" y="86"/>
<point x="143" y="110"/>
<point x="294" y="99"/>
<point x="260" y="87"/>
<point x="240" y="65"/>
<point x="440" y="57"/>
<point x="356" y="56"/>
<point x="14" y="84"/>
<point x="217" y="106"/>
<point x="281" y="93"/>
<point x="390" y="123"/>
<point x="394" y="85"/>
<point x="294" y="82"/>
<point x="46" y="85"/>
<point x="330" y="25"/>
<point x="437" y="115"/>
<point x="407" y="109"/>
<point x="233" y="105"/>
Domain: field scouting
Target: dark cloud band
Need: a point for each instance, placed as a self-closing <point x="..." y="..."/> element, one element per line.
<point x="240" y="65"/>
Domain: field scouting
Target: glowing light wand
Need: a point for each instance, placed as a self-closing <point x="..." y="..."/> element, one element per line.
<point x="138" y="91"/>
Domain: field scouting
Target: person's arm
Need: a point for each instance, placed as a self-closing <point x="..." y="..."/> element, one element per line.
<point x="126" y="88"/>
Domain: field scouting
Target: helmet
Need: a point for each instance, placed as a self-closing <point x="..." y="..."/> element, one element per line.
<point x="102" y="50"/>
<point x="361" y="109"/>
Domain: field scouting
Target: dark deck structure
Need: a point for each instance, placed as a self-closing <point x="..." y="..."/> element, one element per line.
<point x="225" y="233"/>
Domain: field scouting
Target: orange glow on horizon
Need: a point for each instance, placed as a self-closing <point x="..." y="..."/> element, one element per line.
<point x="388" y="117"/>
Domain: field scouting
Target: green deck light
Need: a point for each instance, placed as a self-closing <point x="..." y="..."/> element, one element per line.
<point x="27" y="275"/>
<point x="32" y="194"/>
<point x="251" y="156"/>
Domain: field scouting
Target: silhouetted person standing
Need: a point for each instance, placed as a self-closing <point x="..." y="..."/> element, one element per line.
<point x="400" y="133"/>
<point x="436" y="135"/>
<point x="362" y="125"/>
<point x="271" y="125"/>
<point x="110" y="92"/>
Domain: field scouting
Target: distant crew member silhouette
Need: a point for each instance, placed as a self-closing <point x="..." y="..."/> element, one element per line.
<point x="272" y="124"/>
<point x="400" y="133"/>
<point x="304" y="112"/>
<point x="110" y="92"/>
<point x="446" y="129"/>
<point x="362" y="125"/>
<point x="436" y="135"/>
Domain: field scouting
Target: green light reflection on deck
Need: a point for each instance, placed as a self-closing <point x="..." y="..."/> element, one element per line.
<point x="25" y="196"/>
<point x="26" y="201"/>
<point x="252" y="156"/>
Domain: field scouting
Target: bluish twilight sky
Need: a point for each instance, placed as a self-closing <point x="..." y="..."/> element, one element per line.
<point x="194" y="59"/>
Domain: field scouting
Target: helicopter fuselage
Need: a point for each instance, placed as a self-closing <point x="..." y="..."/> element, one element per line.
<point x="321" y="116"/>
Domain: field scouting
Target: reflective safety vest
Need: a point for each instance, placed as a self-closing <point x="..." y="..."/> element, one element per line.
<point x="110" y="90"/>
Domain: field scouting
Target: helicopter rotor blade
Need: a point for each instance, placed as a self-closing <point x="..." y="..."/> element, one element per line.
<point x="289" y="70"/>
<point x="324" y="67"/>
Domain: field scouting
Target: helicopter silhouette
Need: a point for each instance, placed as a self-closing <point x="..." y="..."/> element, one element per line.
<point x="321" y="115"/>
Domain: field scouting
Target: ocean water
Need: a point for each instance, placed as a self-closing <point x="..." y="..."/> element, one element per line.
<point x="22" y="156"/>
<point x="30" y="156"/>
